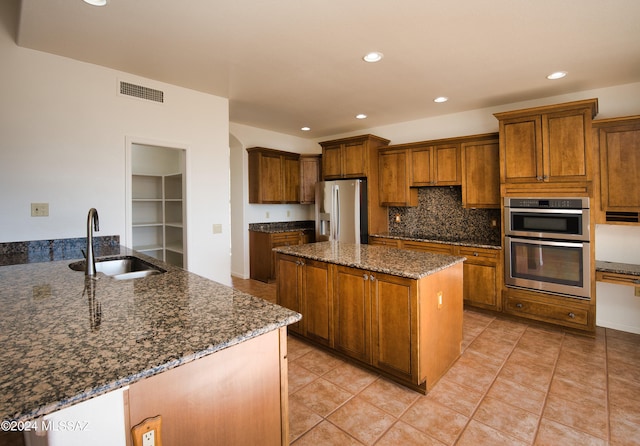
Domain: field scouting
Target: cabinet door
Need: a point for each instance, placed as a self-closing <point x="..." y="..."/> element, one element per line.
<point x="291" y="180"/>
<point x="309" y="176"/>
<point x="521" y="149"/>
<point x="480" y="285"/>
<point x="316" y="298"/>
<point x="288" y="286"/>
<point x="352" y="313"/>
<point x="421" y="166"/>
<point x="619" y="165"/>
<point x="566" y="147"/>
<point x="393" y="324"/>
<point x="282" y="239"/>
<point x="332" y="162"/>
<point x="480" y="174"/>
<point x="271" y="178"/>
<point x="447" y="165"/>
<point x="355" y="159"/>
<point x="394" y="179"/>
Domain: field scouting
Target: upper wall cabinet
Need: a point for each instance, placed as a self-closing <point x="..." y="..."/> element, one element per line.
<point x="350" y="157"/>
<point x="274" y="176"/>
<point x="435" y="165"/>
<point x="481" y="172"/>
<point x="395" y="174"/>
<point x="548" y="144"/>
<point x="310" y="174"/>
<point x="618" y="141"/>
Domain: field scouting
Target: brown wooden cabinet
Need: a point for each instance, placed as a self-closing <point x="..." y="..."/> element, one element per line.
<point x="274" y="176"/>
<point x="408" y="329"/>
<point x="304" y="286"/>
<point x="357" y="157"/>
<point x="483" y="269"/>
<point x="482" y="277"/>
<point x="395" y="176"/>
<point x="352" y="313"/>
<point x="394" y="316"/>
<point x="384" y="241"/>
<point x="481" y="173"/>
<point x="549" y="144"/>
<point x="618" y="141"/>
<point x="436" y="165"/>
<point x="262" y="260"/>
<point x="310" y="174"/>
<point x="351" y="157"/>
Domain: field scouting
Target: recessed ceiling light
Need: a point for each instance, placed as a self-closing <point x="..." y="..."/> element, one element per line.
<point x="557" y="75"/>
<point x="305" y="129"/>
<point x="96" y="2"/>
<point x="373" y="56"/>
<point x="361" y="116"/>
<point x="441" y="99"/>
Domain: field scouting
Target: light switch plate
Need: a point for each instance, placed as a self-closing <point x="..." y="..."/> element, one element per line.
<point x="217" y="228"/>
<point x="39" y="209"/>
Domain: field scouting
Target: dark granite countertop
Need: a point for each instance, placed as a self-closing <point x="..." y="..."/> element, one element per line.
<point x="66" y="339"/>
<point x="619" y="268"/>
<point x="282" y="226"/>
<point x="489" y="244"/>
<point x="381" y="259"/>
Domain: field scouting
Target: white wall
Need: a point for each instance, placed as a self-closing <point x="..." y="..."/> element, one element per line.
<point x="243" y="213"/>
<point x="63" y="138"/>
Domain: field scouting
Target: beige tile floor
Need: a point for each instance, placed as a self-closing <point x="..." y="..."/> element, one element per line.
<point x="515" y="383"/>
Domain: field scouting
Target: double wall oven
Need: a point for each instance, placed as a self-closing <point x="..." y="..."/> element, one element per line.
<point x="547" y="245"/>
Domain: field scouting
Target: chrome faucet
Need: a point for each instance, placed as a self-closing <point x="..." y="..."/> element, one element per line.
<point x="92" y="223"/>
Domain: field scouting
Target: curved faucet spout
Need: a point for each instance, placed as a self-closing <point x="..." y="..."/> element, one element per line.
<point x="93" y="223"/>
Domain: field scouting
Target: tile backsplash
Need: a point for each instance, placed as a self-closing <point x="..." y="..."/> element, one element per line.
<point x="440" y="216"/>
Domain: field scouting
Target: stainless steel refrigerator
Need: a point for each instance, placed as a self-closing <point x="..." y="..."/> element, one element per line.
<point x="341" y="211"/>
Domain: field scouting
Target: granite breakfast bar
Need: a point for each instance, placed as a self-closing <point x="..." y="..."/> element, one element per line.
<point x="393" y="310"/>
<point x="68" y="340"/>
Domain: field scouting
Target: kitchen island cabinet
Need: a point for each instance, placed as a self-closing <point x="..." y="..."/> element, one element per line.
<point x="483" y="267"/>
<point x="77" y="339"/>
<point x="395" y="311"/>
<point x="262" y="265"/>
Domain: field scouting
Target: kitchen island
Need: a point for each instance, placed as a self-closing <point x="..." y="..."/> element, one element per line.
<point x="396" y="311"/>
<point x="204" y="350"/>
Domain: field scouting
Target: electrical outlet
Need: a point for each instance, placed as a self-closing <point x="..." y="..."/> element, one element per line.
<point x="288" y="213"/>
<point x="439" y="299"/>
<point x="39" y="209"/>
<point x="267" y="215"/>
<point x="637" y="291"/>
<point x="149" y="438"/>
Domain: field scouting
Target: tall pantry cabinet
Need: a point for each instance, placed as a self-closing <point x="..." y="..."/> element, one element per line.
<point x="158" y="213"/>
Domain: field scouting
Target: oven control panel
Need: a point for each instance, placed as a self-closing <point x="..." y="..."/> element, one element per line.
<point x="547" y="203"/>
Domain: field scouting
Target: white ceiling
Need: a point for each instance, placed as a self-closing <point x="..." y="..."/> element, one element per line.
<point x="285" y="64"/>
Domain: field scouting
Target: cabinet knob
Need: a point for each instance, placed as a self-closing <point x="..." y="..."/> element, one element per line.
<point x="572" y="315"/>
<point x="518" y="305"/>
<point x="476" y="254"/>
<point x="539" y="178"/>
<point x="372" y="277"/>
<point x="365" y="276"/>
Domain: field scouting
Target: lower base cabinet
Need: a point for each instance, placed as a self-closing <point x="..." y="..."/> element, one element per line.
<point x="410" y="330"/>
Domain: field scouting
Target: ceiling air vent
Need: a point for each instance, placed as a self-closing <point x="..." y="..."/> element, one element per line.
<point x="623" y="217"/>
<point x="138" y="91"/>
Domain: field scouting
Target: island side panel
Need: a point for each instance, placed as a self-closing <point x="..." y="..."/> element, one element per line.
<point x="229" y="397"/>
<point x="440" y="322"/>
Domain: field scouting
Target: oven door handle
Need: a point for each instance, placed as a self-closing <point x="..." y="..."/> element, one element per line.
<point x="544" y="211"/>
<point x="536" y="241"/>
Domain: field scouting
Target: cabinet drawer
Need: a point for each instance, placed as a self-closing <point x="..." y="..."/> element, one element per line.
<point x="546" y="312"/>
<point x="286" y="238"/>
<point x="436" y="248"/>
<point x="480" y="254"/>
<point x="384" y="242"/>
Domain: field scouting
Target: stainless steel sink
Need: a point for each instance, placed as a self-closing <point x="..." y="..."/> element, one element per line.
<point x="121" y="268"/>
